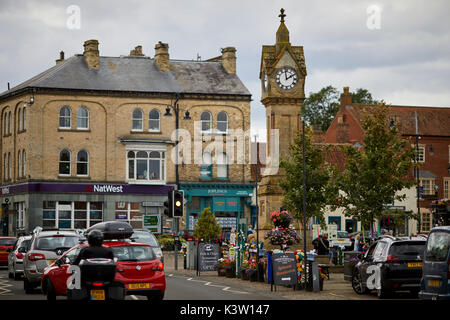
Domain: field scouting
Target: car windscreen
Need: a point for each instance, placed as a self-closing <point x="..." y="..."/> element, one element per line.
<point x="25" y="244"/>
<point x="133" y="253"/>
<point x="407" y="249"/>
<point x="7" y="241"/>
<point x="51" y="243"/>
<point x="146" y="237"/>
<point x="438" y="246"/>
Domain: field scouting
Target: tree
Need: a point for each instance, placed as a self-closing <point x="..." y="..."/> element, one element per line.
<point x="207" y="227"/>
<point x="363" y="96"/>
<point x="321" y="107"/>
<point x="374" y="174"/>
<point x="319" y="191"/>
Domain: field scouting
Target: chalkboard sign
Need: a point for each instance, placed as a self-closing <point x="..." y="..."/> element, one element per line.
<point x="208" y="254"/>
<point x="284" y="266"/>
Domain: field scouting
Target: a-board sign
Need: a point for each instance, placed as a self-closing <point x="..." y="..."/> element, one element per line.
<point x="208" y="255"/>
<point x="284" y="266"/>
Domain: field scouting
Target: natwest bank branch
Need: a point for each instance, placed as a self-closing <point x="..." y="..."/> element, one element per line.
<point x="79" y="205"/>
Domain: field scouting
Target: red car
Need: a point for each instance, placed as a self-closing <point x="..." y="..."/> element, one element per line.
<point x="137" y="268"/>
<point x="5" y="244"/>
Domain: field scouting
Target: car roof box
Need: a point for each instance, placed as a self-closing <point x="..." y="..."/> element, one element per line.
<point x="113" y="229"/>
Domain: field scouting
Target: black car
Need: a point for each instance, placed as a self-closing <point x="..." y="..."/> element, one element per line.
<point x="399" y="262"/>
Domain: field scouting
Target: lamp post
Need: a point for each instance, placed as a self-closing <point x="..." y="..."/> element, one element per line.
<point x="4" y="217"/>
<point x="304" y="201"/>
<point x="176" y="109"/>
<point x="257" y="209"/>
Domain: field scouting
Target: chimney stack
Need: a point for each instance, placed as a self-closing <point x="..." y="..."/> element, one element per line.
<point x="91" y="54"/>
<point x="61" y="57"/>
<point x="137" y="51"/>
<point x="346" y="97"/>
<point x="229" y="59"/>
<point x="162" y="56"/>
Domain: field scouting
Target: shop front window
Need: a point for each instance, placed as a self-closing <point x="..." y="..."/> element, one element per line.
<point x="130" y="212"/>
<point x="71" y="215"/>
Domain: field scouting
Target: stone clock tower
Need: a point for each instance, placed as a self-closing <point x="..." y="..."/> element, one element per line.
<point x="282" y="75"/>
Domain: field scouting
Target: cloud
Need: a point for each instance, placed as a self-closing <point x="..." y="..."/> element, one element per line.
<point x="406" y="61"/>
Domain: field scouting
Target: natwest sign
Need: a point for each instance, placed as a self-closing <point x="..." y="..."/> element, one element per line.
<point x="104" y="188"/>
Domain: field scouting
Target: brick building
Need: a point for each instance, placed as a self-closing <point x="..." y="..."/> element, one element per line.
<point x="429" y="125"/>
<point x="89" y="140"/>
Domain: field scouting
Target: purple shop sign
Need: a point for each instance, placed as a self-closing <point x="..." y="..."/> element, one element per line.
<point x="121" y="216"/>
<point x="96" y="188"/>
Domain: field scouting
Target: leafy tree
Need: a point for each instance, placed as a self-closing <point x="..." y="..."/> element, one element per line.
<point x="319" y="191"/>
<point x="374" y="174"/>
<point x="363" y="96"/>
<point x="207" y="227"/>
<point x="321" y="107"/>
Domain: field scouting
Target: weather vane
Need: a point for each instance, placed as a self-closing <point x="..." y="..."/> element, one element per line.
<point x="282" y="15"/>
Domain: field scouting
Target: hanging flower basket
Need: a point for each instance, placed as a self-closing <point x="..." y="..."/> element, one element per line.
<point x="281" y="219"/>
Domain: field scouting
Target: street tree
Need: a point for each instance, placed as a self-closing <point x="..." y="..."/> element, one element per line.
<point x="207" y="227"/>
<point x="375" y="174"/>
<point x="319" y="191"/>
<point x="363" y="96"/>
<point x="320" y="108"/>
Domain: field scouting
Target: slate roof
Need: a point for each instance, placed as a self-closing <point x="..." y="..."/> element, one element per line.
<point x="138" y="74"/>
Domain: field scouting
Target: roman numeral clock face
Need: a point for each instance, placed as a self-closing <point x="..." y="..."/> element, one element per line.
<point x="286" y="78"/>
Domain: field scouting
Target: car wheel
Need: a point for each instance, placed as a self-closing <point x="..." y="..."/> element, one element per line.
<point x="27" y="286"/>
<point x="50" y="290"/>
<point x="357" y="283"/>
<point x="17" y="276"/>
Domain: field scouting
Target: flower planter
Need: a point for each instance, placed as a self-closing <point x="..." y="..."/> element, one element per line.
<point x="229" y="272"/>
<point x="243" y="273"/>
<point x="221" y="272"/>
<point x="252" y="275"/>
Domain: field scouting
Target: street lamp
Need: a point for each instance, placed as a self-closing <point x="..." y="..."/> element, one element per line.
<point x="176" y="109"/>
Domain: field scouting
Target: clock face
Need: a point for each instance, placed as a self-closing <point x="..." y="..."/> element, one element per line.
<point x="286" y="78"/>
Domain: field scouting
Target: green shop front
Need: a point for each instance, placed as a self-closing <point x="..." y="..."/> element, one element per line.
<point x="229" y="202"/>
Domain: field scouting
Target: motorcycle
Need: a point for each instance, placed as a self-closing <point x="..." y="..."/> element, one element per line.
<point x="96" y="282"/>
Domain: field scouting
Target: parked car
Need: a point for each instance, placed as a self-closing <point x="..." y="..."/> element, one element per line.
<point x="15" y="257"/>
<point x="6" y="245"/>
<point x="138" y="268"/>
<point x="436" y="266"/>
<point x="342" y="240"/>
<point x="45" y="248"/>
<point x="399" y="262"/>
<point x="145" y="236"/>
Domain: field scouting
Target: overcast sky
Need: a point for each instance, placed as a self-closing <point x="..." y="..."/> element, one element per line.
<point x="397" y="49"/>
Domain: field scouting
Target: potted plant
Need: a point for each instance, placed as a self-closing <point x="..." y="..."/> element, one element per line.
<point x="322" y="276"/>
<point x="220" y="266"/>
<point x="252" y="273"/>
<point x="243" y="270"/>
<point x="230" y="269"/>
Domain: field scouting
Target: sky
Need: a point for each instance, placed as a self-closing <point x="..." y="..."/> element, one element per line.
<point x="398" y="50"/>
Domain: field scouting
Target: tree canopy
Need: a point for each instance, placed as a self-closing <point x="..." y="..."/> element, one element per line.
<point x="207" y="227"/>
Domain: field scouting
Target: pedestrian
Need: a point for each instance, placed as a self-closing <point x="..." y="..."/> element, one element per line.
<point x="356" y="243"/>
<point x="250" y="230"/>
<point x="326" y="247"/>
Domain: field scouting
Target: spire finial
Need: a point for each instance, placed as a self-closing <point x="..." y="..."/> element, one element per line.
<point x="282" y="15"/>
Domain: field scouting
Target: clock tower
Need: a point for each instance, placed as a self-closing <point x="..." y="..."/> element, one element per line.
<point x="282" y="75"/>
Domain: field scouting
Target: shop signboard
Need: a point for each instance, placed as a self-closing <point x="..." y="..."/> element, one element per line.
<point x="284" y="267"/>
<point x="208" y="255"/>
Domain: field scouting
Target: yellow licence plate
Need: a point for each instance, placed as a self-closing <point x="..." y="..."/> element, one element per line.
<point x="414" y="264"/>
<point x="1" y="251"/>
<point x="433" y="283"/>
<point x="97" y="294"/>
<point x="139" y="286"/>
<point x="50" y="262"/>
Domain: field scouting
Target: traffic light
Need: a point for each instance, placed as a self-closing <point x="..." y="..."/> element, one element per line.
<point x="168" y="207"/>
<point x="178" y="203"/>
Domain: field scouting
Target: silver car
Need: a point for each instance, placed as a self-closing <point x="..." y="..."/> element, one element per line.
<point x="15" y="257"/>
<point x="45" y="248"/>
<point x="145" y="236"/>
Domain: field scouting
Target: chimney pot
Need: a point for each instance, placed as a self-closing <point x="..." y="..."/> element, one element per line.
<point x="61" y="57"/>
<point x="91" y="54"/>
